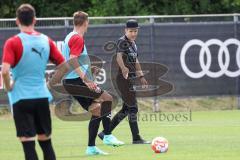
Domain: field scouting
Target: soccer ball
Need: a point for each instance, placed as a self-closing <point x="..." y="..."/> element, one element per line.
<point x="159" y="145"/>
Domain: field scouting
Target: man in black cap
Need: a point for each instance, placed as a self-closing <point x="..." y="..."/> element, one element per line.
<point x="129" y="69"/>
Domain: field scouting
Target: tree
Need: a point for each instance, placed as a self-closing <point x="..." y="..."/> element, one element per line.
<point x="63" y="8"/>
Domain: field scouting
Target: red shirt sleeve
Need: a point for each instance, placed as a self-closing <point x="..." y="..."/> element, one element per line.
<point x="76" y="45"/>
<point x="12" y="51"/>
<point x="55" y="55"/>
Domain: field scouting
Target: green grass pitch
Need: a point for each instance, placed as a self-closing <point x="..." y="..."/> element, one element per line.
<point x="210" y="135"/>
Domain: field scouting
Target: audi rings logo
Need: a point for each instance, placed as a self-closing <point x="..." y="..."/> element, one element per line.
<point x="223" y="58"/>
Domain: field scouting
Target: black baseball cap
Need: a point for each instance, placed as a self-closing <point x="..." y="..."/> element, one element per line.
<point x="132" y="23"/>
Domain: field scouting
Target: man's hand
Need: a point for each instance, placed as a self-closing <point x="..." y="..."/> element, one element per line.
<point x="125" y="72"/>
<point x="144" y="82"/>
<point x="6" y="76"/>
<point x="90" y="84"/>
<point x="10" y="88"/>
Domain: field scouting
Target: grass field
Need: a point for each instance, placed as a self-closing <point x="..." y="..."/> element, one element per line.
<point x="208" y="135"/>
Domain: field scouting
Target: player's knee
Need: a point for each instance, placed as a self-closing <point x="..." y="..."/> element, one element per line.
<point x="132" y="115"/>
<point x="25" y="139"/>
<point x="107" y="97"/>
<point x="133" y="109"/>
<point x="95" y="109"/>
<point x="43" y="137"/>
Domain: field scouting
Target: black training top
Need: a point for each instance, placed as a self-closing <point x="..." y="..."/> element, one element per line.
<point x="129" y="50"/>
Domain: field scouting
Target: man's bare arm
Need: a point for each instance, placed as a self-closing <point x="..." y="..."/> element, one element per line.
<point x="138" y="69"/>
<point x="75" y="64"/>
<point x="120" y="62"/>
<point x="6" y="76"/>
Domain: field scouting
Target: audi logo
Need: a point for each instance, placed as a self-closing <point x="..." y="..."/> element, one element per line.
<point x="223" y="52"/>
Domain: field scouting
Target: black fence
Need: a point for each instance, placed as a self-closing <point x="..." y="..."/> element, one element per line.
<point x="203" y="58"/>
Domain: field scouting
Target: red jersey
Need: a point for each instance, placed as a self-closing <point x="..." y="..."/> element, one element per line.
<point x="76" y="45"/>
<point x="13" y="49"/>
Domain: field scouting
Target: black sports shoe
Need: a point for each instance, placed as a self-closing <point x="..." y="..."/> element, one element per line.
<point x="139" y="140"/>
<point x="101" y="135"/>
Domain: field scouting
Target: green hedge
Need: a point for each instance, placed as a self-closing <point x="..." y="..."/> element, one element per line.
<point x="62" y="8"/>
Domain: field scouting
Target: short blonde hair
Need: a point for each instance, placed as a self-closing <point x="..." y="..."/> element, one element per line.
<point x="79" y="18"/>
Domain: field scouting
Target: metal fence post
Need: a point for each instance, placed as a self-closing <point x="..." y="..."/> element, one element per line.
<point x="235" y="21"/>
<point x="66" y="23"/>
<point x="156" y="106"/>
<point x="155" y="98"/>
<point x="235" y="18"/>
<point x="151" y="20"/>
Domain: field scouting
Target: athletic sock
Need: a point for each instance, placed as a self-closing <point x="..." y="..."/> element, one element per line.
<point x="93" y="130"/>
<point x="29" y="150"/>
<point x="106" y="116"/>
<point x="48" y="152"/>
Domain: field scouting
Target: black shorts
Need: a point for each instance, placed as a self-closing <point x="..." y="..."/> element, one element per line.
<point x="81" y="92"/>
<point x="31" y="117"/>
